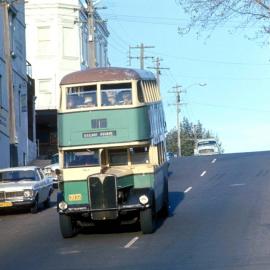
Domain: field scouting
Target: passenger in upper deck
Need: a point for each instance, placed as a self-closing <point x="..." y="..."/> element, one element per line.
<point x="71" y="104"/>
<point x="126" y="98"/>
<point x="111" y="96"/>
<point x="89" y="101"/>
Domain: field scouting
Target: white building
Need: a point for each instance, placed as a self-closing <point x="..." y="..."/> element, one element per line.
<point x="17" y="134"/>
<point x="57" y="44"/>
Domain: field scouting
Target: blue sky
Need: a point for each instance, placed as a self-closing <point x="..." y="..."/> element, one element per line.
<point x="235" y="102"/>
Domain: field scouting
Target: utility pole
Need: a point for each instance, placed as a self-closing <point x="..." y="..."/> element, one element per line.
<point x="9" y="75"/>
<point x="92" y="62"/>
<point x="158" y="68"/>
<point x="142" y="56"/>
<point x="177" y="104"/>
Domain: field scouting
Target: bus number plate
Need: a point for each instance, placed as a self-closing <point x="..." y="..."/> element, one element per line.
<point x="75" y="197"/>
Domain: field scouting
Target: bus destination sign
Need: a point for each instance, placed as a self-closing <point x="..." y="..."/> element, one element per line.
<point x="99" y="134"/>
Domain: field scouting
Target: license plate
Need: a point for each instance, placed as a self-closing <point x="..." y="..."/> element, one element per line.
<point x="5" y="204"/>
<point x="75" y="197"/>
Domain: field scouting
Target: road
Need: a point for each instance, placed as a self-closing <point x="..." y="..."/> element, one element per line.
<point x="219" y="220"/>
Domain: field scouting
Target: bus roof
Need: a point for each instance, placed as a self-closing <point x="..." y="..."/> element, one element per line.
<point x="106" y="74"/>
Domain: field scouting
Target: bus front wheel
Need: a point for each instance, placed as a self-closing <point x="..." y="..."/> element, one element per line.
<point x="66" y="226"/>
<point x="148" y="220"/>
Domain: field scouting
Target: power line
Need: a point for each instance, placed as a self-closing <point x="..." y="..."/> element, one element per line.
<point x="231" y="107"/>
<point x="209" y="61"/>
<point x="171" y="21"/>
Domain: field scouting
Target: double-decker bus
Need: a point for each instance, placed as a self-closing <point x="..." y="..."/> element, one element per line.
<point x="112" y="152"/>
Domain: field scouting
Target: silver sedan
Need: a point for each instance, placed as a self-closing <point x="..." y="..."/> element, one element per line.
<point x="24" y="187"/>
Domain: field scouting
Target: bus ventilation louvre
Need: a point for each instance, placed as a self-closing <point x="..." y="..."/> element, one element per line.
<point x="103" y="195"/>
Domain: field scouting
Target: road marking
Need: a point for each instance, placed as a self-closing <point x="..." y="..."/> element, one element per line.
<point x="131" y="242"/>
<point x="214" y="160"/>
<point x="188" y="189"/>
<point x="69" y="252"/>
<point x="55" y="207"/>
<point x="203" y="173"/>
<point x="238" y="185"/>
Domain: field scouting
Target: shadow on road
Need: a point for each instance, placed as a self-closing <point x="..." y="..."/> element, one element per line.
<point x="175" y="199"/>
<point x="110" y="228"/>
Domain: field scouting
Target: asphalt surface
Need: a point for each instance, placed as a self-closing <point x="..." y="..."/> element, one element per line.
<point x="219" y="220"/>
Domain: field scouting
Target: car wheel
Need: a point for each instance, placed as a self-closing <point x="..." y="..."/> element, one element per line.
<point x="66" y="226"/>
<point x="47" y="203"/>
<point x="148" y="220"/>
<point x="34" y="207"/>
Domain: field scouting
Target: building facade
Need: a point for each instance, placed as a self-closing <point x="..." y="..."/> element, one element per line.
<point x="17" y="132"/>
<point x="57" y="44"/>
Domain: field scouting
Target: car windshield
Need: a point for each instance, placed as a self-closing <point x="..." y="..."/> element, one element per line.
<point x="206" y="143"/>
<point x="14" y="176"/>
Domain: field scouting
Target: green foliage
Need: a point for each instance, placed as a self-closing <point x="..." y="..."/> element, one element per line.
<point x="189" y="133"/>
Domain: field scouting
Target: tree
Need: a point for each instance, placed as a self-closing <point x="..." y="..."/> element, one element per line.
<point x="189" y="134"/>
<point x="207" y="14"/>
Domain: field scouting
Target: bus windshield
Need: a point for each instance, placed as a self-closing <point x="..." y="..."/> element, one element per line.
<point x="81" y="158"/>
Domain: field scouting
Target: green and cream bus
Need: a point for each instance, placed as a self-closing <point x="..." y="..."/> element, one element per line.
<point x="112" y="152"/>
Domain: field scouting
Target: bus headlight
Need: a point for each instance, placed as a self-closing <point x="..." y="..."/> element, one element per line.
<point x="63" y="205"/>
<point x="143" y="199"/>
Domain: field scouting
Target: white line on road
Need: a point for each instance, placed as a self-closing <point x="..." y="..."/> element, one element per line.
<point x="238" y="185"/>
<point x="214" y="160"/>
<point x="203" y="173"/>
<point x="69" y="252"/>
<point x="188" y="189"/>
<point x="131" y="242"/>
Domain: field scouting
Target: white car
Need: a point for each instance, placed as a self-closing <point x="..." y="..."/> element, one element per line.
<point x="207" y="147"/>
<point x="49" y="171"/>
<point x="24" y="187"/>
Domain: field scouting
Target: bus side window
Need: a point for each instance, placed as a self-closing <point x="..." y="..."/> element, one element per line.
<point x="140" y="92"/>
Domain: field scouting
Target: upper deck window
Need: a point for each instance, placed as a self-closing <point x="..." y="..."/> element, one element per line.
<point x="116" y="94"/>
<point x="81" y="97"/>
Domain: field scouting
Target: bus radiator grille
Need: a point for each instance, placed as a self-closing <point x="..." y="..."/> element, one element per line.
<point x="103" y="196"/>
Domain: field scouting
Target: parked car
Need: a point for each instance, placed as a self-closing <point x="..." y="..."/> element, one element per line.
<point x="50" y="169"/>
<point x="24" y="187"/>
